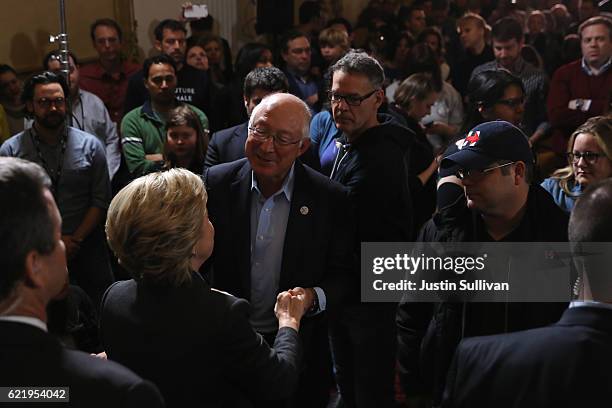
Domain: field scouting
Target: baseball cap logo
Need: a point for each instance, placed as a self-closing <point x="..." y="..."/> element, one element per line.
<point x="472" y="138"/>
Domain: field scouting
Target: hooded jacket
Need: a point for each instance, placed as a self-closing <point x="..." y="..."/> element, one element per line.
<point x="377" y="170"/>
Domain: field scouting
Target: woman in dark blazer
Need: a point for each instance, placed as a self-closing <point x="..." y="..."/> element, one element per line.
<point x="168" y="324"/>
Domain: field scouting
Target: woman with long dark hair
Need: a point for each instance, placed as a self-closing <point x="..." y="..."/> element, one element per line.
<point x="186" y="140"/>
<point x="494" y="95"/>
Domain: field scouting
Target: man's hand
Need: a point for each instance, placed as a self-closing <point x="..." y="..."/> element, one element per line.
<point x="72" y="245"/>
<point x="289" y="310"/>
<point x="101" y="355"/>
<point x="308" y="296"/>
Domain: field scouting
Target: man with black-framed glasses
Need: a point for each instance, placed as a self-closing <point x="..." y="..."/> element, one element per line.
<point x="76" y="164"/>
<point x="494" y="164"/>
<point x="374" y="161"/>
<point x="88" y="111"/>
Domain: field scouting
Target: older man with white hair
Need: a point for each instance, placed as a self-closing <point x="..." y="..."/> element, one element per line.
<point x="281" y="225"/>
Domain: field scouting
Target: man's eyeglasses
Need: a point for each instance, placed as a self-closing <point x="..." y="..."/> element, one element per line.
<point x="512" y="102"/>
<point x="278" y="139"/>
<point x="46" y="103"/>
<point x="350" y="100"/>
<point x="462" y="174"/>
<point x="589" y="157"/>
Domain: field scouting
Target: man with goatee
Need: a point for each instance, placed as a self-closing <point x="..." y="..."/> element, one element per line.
<point x="76" y="164"/>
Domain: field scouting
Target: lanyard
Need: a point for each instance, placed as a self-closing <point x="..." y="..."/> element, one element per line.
<point x="53" y="175"/>
<point x="80" y="125"/>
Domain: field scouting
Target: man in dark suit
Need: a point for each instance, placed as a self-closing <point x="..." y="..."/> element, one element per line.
<point x="566" y="364"/>
<point x="228" y="144"/>
<point x="32" y="272"/>
<point x="281" y="225"/>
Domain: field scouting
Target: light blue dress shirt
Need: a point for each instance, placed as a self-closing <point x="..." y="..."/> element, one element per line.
<point x="269" y="217"/>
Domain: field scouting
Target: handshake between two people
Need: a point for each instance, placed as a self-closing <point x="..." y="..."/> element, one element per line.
<point x="291" y="305"/>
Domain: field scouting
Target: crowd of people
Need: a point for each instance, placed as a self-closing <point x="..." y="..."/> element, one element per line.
<point x="187" y="231"/>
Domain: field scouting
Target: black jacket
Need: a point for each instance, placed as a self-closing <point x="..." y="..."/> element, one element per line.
<point x="428" y="334"/>
<point x="319" y="240"/>
<point x="31" y="357"/>
<point x="422" y="154"/>
<point x="376" y="169"/>
<point x="226" y="145"/>
<point x="196" y="344"/>
<point x="566" y="364"/>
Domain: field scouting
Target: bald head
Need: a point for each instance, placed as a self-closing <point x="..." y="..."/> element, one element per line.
<point x="294" y="107"/>
<point x="278" y="135"/>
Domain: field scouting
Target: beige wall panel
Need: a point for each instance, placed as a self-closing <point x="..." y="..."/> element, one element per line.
<point x="26" y="26"/>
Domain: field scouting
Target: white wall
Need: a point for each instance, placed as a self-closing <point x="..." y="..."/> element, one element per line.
<point x="148" y="13"/>
<point x="235" y="19"/>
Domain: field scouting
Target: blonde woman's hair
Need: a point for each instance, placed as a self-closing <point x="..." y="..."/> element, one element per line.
<point x="154" y="223"/>
<point x="600" y="127"/>
<point x="478" y="19"/>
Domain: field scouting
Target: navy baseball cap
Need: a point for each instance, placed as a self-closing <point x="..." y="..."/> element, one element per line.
<point x="487" y="143"/>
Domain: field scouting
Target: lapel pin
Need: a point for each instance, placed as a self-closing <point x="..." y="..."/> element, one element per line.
<point x="304" y="210"/>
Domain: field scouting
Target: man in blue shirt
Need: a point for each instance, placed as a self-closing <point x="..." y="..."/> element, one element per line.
<point x="297" y="55"/>
<point x="76" y="163"/>
<point x="282" y="226"/>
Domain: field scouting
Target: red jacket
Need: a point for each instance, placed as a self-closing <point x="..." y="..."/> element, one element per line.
<point x="571" y="82"/>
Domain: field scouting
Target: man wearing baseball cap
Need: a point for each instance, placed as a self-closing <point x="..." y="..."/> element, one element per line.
<point x="495" y="165"/>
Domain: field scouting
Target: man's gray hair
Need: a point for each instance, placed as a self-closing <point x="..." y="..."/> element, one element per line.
<point x="356" y="62"/>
